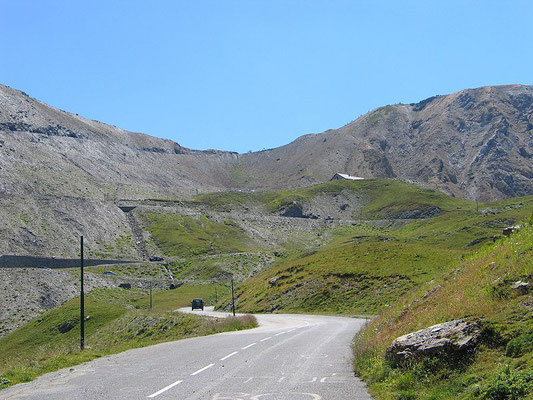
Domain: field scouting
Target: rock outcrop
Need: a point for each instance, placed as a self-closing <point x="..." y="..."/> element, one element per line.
<point x="450" y="341"/>
<point x="521" y="287"/>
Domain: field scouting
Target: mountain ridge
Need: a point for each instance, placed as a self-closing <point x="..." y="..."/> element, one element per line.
<point x="475" y="143"/>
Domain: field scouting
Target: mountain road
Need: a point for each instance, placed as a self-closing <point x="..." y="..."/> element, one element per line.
<point x="288" y="357"/>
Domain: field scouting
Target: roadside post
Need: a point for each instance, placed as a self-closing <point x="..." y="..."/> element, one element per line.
<point x="232" y="297"/>
<point x="82" y="304"/>
<point x="150" y="294"/>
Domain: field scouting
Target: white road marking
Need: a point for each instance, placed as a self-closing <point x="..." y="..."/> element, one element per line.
<point x="247" y="347"/>
<point x="249" y="379"/>
<point x="228" y="356"/>
<point x="231" y="396"/>
<point x="265" y="339"/>
<point x="202" y="369"/>
<point x="281" y="379"/>
<point x="292" y="330"/>
<point x="164" y="389"/>
<point x="281" y="333"/>
<point x="335" y="379"/>
<point x="259" y="396"/>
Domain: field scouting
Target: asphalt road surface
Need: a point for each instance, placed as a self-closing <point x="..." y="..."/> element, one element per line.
<point x="289" y="357"/>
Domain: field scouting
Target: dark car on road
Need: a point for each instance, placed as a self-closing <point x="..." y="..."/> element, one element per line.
<point x="198" y="304"/>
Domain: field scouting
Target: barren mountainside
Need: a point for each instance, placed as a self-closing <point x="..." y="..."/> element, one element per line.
<point x="61" y="174"/>
<point x="476" y="143"/>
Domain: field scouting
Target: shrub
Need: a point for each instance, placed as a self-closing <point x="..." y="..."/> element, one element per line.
<point x="507" y="385"/>
<point x="407" y="395"/>
<point x="519" y="346"/>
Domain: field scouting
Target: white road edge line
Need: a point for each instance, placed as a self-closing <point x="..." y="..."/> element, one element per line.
<point x="247" y="347"/>
<point x="291" y="330"/>
<point x="202" y="369"/>
<point x="265" y="339"/>
<point x="164" y="389"/>
<point x="228" y="356"/>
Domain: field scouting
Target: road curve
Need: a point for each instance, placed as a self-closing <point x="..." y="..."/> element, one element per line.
<point x="289" y="357"/>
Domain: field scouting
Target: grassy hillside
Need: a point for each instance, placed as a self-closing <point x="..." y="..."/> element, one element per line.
<point x="204" y="249"/>
<point x="182" y="236"/>
<point x="478" y="287"/>
<point x="382" y="198"/>
<point x="219" y="267"/>
<point x="119" y="320"/>
<point x="366" y="269"/>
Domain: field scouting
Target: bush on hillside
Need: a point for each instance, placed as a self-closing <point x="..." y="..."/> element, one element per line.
<point x="507" y="385"/>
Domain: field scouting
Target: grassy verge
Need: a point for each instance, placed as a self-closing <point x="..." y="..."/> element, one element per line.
<point x="118" y="321"/>
<point x="477" y="287"/>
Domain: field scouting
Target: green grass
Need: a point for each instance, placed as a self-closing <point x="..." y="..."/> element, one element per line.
<point x="170" y="300"/>
<point x="183" y="236"/>
<point x="24" y="218"/>
<point x="477" y="287"/>
<point x="223" y="201"/>
<point x="118" y="321"/>
<point x="217" y="268"/>
<point x="364" y="269"/>
<point x="382" y="198"/>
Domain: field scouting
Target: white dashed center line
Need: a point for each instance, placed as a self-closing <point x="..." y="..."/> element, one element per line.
<point x="265" y="339"/>
<point x="247" y="347"/>
<point x="281" y="333"/>
<point x="228" y="356"/>
<point x="202" y="369"/>
<point x="164" y="389"/>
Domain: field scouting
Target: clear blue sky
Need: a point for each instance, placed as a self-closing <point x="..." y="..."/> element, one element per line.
<point x="248" y="75"/>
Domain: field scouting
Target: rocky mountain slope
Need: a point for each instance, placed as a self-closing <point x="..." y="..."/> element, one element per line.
<point x="476" y="143"/>
<point x="61" y="174"/>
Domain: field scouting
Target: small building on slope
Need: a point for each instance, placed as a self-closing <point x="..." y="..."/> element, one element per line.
<point x="345" y="177"/>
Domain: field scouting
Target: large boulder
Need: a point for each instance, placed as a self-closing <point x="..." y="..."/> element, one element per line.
<point x="450" y="341"/>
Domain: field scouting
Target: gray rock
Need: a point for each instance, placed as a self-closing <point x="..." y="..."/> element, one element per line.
<point x="449" y="341"/>
<point x="65" y="327"/>
<point x="272" y="281"/>
<point x="521" y="287"/>
<point x="125" y="285"/>
<point x="510" y="229"/>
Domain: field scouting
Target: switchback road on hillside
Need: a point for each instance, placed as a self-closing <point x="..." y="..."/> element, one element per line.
<point x="289" y="357"/>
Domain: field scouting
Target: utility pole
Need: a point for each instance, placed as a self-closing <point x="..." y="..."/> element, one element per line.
<point x="232" y="298"/>
<point x="82" y="305"/>
<point x="150" y="294"/>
